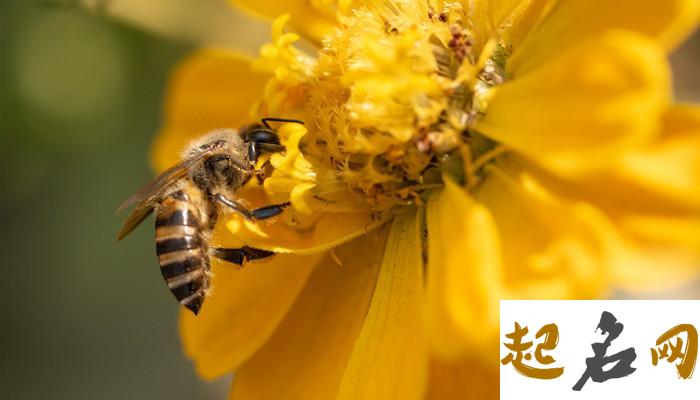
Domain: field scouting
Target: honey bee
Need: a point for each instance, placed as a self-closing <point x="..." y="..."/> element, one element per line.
<point x="188" y="197"/>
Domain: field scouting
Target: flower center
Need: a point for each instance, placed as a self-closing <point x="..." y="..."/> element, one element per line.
<point x="392" y="98"/>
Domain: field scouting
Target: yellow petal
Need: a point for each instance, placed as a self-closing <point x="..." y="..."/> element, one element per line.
<point x="584" y="108"/>
<point x="671" y="165"/>
<point x="529" y="15"/>
<point x="307" y="355"/>
<point x="313" y="19"/>
<point x="294" y="232"/>
<point x="209" y="90"/>
<point x="662" y="253"/>
<point x="488" y="16"/>
<point x="292" y="161"/>
<point x="664" y="230"/>
<point x="465" y="379"/>
<point x="465" y="280"/>
<point x="509" y="20"/>
<point x="571" y="21"/>
<point x="390" y="357"/>
<point x="683" y="119"/>
<point x="659" y="246"/>
<point x="660" y="178"/>
<point x="494" y="12"/>
<point x="243" y="310"/>
<point x="553" y="248"/>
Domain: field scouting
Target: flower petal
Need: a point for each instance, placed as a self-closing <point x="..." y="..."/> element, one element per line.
<point x="294" y="232"/>
<point x="489" y="15"/>
<point x="664" y="236"/>
<point x="494" y="12"/>
<point x="465" y="379"/>
<point x="652" y="196"/>
<point x="556" y="248"/>
<point x="390" y="357"/>
<point x="570" y="21"/>
<point x="662" y="177"/>
<point x="243" y="310"/>
<point x="586" y="107"/>
<point x="312" y="20"/>
<point x="662" y="253"/>
<point x="209" y="90"/>
<point x="465" y="280"/>
<point x="307" y="355"/>
<point x="659" y="242"/>
<point x="671" y="166"/>
<point x="509" y="19"/>
<point x="531" y="13"/>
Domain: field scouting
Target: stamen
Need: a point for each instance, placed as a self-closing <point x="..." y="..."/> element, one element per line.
<point x="393" y="95"/>
<point x="488" y="156"/>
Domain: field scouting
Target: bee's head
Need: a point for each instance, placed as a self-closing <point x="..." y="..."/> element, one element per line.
<point x="231" y="156"/>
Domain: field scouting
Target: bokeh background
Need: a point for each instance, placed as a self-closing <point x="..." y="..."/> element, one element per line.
<point x="81" y="93"/>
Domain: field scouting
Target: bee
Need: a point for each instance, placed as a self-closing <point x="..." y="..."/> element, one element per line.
<point x="187" y="199"/>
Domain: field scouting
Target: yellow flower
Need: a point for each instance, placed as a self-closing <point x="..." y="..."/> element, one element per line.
<point x="453" y="154"/>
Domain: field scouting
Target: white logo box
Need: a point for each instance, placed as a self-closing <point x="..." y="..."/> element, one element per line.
<point x="644" y="321"/>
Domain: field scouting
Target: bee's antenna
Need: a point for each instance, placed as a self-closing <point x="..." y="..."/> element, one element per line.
<point x="267" y="125"/>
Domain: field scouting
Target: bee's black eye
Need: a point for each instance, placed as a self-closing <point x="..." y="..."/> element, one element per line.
<point x="263" y="136"/>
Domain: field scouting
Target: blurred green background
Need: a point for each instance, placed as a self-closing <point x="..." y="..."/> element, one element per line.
<point x="80" y="99"/>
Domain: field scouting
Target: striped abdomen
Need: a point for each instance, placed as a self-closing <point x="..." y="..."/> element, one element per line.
<point x="181" y="249"/>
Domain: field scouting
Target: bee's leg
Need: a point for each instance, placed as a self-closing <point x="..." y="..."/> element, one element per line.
<point x="257" y="148"/>
<point x="269" y="211"/>
<point x="259" y="213"/>
<point x="240" y="255"/>
<point x="235" y="206"/>
<point x="253" y="152"/>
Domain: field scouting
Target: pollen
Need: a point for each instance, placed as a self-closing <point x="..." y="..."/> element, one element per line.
<point x="390" y="100"/>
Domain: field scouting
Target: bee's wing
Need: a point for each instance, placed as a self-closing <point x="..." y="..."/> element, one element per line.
<point x="146" y="197"/>
<point x="133" y="220"/>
